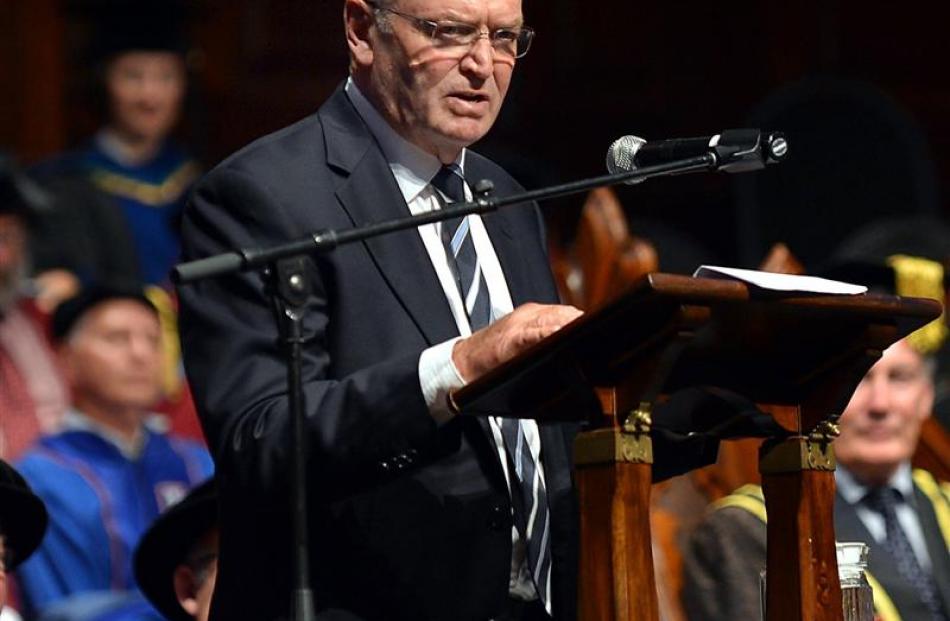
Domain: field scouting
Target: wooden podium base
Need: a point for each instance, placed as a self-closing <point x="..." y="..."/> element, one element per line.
<point x="799" y="485"/>
<point x="617" y="581"/>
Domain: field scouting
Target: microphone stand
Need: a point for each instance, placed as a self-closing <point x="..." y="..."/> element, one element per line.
<point x="246" y="259"/>
<point x="283" y="266"/>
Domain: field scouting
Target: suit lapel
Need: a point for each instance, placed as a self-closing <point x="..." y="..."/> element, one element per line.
<point x="369" y="194"/>
<point x="936" y="545"/>
<point x="849" y="527"/>
<point x="881" y="565"/>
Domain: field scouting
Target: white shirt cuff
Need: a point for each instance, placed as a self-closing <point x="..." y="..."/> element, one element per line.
<point x="437" y="377"/>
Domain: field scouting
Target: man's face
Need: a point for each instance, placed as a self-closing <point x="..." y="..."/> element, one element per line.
<point x="145" y="92"/>
<point x="440" y="99"/>
<point x="113" y="356"/>
<point x="12" y="258"/>
<point x="880" y="426"/>
<point x="194" y="579"/>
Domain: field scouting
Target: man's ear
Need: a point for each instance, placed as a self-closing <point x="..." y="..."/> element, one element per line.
<point x="927" y="402"/>
<point x="186" y="589"/>
<point x="357" y="22"/>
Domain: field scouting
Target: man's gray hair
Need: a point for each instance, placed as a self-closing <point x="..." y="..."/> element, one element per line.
<point x="382" y="17"/>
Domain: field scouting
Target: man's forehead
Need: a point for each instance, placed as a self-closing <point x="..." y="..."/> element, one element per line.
<point x="899" y="354"/>
<point x="495" y="9"/>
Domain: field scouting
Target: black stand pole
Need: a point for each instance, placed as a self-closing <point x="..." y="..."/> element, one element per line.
<point x="289" y="287"/>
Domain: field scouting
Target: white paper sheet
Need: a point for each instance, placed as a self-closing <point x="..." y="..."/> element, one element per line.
<point x="781" y="282"/>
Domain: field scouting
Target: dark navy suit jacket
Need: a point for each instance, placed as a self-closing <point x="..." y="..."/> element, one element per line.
<point x="409" y="520"/>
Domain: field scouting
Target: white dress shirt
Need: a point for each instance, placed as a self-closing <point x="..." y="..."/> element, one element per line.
<point x="414" y="169"/>
<point x="853" y="492"/>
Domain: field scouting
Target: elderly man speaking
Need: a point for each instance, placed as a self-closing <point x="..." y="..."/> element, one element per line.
<point x="416" y="513"/>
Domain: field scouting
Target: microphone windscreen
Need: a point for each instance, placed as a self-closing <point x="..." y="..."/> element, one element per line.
<point x="621" y="153"/>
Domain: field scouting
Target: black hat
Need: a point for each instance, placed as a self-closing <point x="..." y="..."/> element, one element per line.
<point x="899" y="256"/>
<point x="72" y="310"/>
<point x="19" y="194"/>
<point x="166" y="544"/>
<point x="144" y="25"/>
<point x="22" y="515"/>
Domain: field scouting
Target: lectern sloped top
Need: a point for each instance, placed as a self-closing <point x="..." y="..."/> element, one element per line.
<point x="766" y="346"/>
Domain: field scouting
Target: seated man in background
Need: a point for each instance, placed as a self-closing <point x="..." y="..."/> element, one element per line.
<point x="107" y="475"/>
<point x="120" y="195"/>
<point x="880" y="501"/>
<point x="22" y="524"/>
<point x="33" y="394"/>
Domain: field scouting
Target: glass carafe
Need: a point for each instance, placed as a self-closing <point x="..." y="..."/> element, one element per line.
<point x="857" y="599"/>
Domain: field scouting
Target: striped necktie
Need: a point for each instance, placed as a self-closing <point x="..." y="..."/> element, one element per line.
<point x="460" y="251"/>
<point x="884" y="500"/>
<point x="528" y="494"/>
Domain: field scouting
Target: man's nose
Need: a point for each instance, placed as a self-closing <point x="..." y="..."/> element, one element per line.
<point x="480" y="58"/>
<point x="880" y="397"/>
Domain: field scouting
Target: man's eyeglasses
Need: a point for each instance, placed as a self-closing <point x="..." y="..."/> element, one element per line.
<point x="507" y="42"/>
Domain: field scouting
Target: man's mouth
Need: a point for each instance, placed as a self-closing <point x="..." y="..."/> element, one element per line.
<point x="468" y="104"/>
<point x="879" y="433"/>
<point x="470" y="97"/>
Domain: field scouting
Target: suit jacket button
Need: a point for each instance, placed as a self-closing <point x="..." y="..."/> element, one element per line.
<point x="498" y="519"/>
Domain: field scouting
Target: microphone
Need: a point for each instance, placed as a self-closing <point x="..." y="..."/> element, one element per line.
<point x="734" y="150"/>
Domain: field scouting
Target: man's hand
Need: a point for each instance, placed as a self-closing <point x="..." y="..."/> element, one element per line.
<point x="508" y="337"/>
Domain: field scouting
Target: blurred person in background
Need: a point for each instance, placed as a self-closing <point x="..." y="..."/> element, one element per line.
<point x="33" y="394"/>
<point x="22" y="524"/>
<point x="176" y="561"/>
<point x="108" y="474"/>
<point x="122" y="193"/>
<point x="903" y="514"/>
<point x="132" y="161"/>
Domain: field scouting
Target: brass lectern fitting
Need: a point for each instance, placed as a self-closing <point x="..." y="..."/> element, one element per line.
<point x="630" y="444"/>
<point x="826" y="431"/>
<point x="797" y="454"/>
<point x="640" y="420"/>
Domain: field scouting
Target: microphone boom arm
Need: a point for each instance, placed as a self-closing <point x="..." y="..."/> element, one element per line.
<point x="246" y="259"/>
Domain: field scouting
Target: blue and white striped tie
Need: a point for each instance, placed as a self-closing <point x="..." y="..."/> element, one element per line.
<point x="528" y="495"/>
<point x="461" y="251"/>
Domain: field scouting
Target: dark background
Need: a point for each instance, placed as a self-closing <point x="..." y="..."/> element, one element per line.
<point x="597" y="70"/>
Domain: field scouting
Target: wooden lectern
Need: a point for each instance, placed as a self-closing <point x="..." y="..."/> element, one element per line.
<point x="798" y="357"/>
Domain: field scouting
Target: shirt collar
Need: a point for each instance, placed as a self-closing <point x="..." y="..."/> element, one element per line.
<point x="74" y="420"/>
<point x="412" y="167"/>
<point x="853" y="491"/>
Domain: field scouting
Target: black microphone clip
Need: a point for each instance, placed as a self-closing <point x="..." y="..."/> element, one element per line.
<point x="741" y="150"/>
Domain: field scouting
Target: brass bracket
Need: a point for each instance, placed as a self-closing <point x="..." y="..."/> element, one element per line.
<point x="826" y="431"/>
<point x="631" y="445"/>
<point x="639" y="421"/>
<point x="797" y="454"/>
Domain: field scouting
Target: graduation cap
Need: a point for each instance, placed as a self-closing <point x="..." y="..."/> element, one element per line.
<point x="23" y="515"/>
<point x="167" y="544"/>
<point x="144" y="25"/>
<point x="906" y="256"/>
<point x="70" y="311"/>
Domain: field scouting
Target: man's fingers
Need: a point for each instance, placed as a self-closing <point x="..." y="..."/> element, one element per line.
<point x="508" y="337"/>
